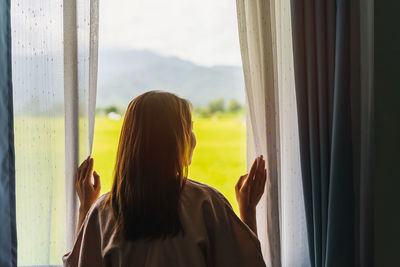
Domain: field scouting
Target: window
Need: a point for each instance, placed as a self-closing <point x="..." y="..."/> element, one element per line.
<point x="186" y="47"/>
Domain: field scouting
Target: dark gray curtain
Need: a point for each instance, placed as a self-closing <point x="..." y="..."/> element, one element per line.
<point x="8" y="235"/>
<point x="326" y="90"/>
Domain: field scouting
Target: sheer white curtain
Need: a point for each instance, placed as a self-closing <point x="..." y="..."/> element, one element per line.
<point x="266" y="47"/>
<point x="256" y="42"/>
<point x="294" y="241"/>
<point x="45" y="143"/>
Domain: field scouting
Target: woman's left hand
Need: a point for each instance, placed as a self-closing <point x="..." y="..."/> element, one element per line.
<point x="87" y="191"/>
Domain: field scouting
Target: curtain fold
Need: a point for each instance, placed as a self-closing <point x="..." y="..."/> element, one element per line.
<point x="81" y="22"/>
<point x="294" y="245"/>
<point x="255" y="20"/>
<point x="8" y="231"/>
<point x="325" y="84"/>
<point x="366" y="158"/>
<point x="267" y="57"/>
<point x="93" y="69"/>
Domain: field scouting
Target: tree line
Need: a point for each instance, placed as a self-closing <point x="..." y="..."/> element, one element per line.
<point x="215" y="107"/>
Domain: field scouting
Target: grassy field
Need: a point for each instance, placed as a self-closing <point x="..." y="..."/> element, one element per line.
<point x="40" y="190"/>
<point x="218" y="160"/>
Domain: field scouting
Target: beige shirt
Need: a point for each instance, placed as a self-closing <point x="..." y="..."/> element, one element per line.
<point x="214" y="236"/>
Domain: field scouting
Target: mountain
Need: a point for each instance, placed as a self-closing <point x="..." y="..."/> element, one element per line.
<point x="124" y="74"/>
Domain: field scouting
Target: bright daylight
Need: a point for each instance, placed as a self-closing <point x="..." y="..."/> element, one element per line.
<point x="193" y="51"/>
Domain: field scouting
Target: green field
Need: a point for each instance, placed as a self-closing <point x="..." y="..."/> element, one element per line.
<point x="218" y="160"/>
<point x="40" y="190"/>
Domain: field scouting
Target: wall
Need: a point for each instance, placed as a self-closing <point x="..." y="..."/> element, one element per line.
<point x="386" y="145"/>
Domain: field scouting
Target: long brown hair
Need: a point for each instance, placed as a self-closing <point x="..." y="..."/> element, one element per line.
<point x="151" y="166"/>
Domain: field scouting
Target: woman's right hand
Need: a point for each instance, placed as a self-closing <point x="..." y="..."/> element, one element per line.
<point x="87" y="191"/>
<point x="249" y="190"/>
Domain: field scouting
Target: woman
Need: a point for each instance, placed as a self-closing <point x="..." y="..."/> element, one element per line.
<point x="154" y="215"/>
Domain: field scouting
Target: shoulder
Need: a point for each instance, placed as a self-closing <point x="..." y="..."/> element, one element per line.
<point x="219" y="212"/>
<point x="206" y="196"/>
<point x="100" y="220"/>
<point x="99" y="203"/>
<point x="98" y="206"/>
<point x="201" y="188"/>
<point x="204" y="190"/>
<point x="99" y="212"/>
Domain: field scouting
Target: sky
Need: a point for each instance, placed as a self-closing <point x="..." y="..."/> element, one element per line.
<point x="202" y="31"/>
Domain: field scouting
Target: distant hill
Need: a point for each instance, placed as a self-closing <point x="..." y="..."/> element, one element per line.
<point x="124" y="74"/>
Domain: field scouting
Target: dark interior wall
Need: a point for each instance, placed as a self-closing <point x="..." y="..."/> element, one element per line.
<point x="386" y="144"/>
